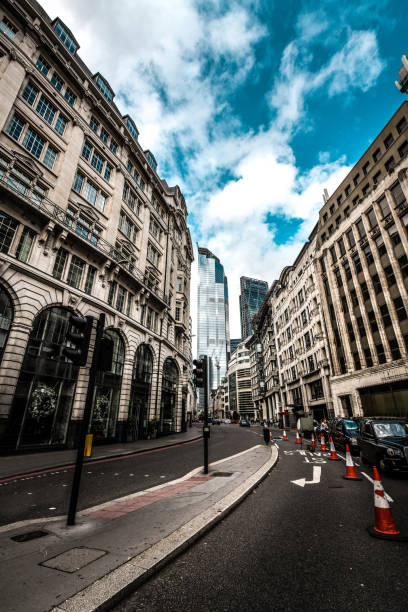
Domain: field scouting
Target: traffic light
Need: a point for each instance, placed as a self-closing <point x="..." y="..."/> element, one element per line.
<point x="199" y="372"/>
<point x="78" y="335"/>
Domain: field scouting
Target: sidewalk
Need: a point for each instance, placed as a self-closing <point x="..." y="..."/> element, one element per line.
<point x="119" y="544"/>
<point x="14" y="465"/>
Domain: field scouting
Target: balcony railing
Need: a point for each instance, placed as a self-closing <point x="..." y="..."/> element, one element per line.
<point x="52" y="211"/>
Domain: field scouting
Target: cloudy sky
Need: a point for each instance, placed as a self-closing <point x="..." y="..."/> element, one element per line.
<point x="252" y="106"/>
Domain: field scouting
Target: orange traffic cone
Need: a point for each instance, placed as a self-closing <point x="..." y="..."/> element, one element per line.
<point x="322" y="443"/>
<point x="350" y="471"/>
<point x="297" y="437"/>
<point x="313" y="442"/>
<point x="285" y="438"/>
<point x="333" y="453"/>
<point x="384" y="523"/>
<point x="270" y="436"/>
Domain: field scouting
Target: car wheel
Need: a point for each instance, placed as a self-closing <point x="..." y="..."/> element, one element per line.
<point x="363" y="459"/>
<point x="383" y="466"/>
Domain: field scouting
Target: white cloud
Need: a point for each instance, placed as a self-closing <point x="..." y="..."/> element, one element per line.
<point x="174" y="64"/>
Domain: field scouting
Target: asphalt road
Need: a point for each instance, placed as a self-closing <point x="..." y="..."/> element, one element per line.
<point x="47" y="494"/>
<point x="288" y="547"/>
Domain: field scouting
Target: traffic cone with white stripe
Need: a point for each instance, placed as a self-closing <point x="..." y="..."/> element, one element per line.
<point x="333" y="453"/>
<point x="285" y="438"/>
<point x="351" y="473"/>
<point x="270" y="436"/>
<point x="384" y="527"/>
<point x="297" y="437"/>
<point x="313" y="443"/>
<point x="322" y="443"/>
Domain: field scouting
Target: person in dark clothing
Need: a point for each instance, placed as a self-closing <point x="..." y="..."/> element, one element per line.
<point x="266" y="433"/>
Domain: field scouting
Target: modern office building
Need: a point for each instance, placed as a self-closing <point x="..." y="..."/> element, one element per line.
<point x="238" y="384"/>
<point x="253" y="292"/>
<point x="234" y="342"/>
<point x="212" y="319"/>
<point x="88" y="228"/>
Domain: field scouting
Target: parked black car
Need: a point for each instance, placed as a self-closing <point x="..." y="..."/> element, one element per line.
<point x="345" y="431"/>
<point x="384" y="442"/>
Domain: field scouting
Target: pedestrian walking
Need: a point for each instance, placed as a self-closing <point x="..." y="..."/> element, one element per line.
<point x="266" y="433"/>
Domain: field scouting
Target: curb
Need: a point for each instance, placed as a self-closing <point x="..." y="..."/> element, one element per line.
<point x="90" y="461"/>
<point x="117" y="584"/>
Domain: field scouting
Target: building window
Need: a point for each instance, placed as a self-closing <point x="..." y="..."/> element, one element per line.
<point x="372" y="219"/>
<point x="89" y="191"/>
<point x="357" y="263"/>
<point x="341" y="247"/>
<point x="380" y="353"/>
<point x="30" y="93"/>
<point x="346" y="211"/>
<point x="385" y="315"/>
<point x="389" y="274"/>
<point x="366" y="168"/>
<point x="388" y="141"/>
<point x="368" y="357"/>
<point x="97" y="161"/>
<point x="127" y="227"/>
<point x="179" y="284"/>
<point x="90" y="279"/>
<point x="104" y="88"/>
<point x="390" y="164"/>
<point x="132" y="128"/>
<point x="377" y="284"/>
<point x="155" y="230"/>
<point x="62" y="33"/>
<point x="43" y="66"/>
<point x="354" y="298"/>
<point x="57" y="82"/>
<point x="350" y="238"/>
<point x="400" y="309"/>
<point x="121" y="298"/>
<point x="25" y="244"/>
<point x="103" y="135"/>
<point x="8" y="28"/>
<point x="112" y="291"/>
<point x="60" y="125"/>
<point x="368" y="254"/>
<point x="398" y="194"/>
<point x="376" y="155"/>
<point x="46" y="109"/>
<point x="347" y="191"/>
<point x="395" y="352"/>
<point x="356" y="179"/>
<point x="153" y="255"/>
<point x="32" y="141"/>
<point x="377" y="177"/>
<point x="364" y="291"/>
<point x="360" y="228"/>
<point x="113" y="146"/>
<point x="8" y="227"/>
<point x="372" y="321"/>
<point x="59" y="264"/>
<point x="401" y="125"/>
<point x="94" y="124"/>
<point x="179" y="311"/>
<point x="75" y="272"/>
<point x="70" y="96"/>
<point x="403" y="149"/>
<point x="347" y="270"/>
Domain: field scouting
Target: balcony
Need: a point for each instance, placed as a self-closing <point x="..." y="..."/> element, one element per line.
<point x="388" y="220"/>
<point x="375" y="232"/>
<point x="39" y="204"/>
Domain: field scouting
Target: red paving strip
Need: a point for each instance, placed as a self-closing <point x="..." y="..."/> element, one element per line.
<point x="95" y="461"/>
<point x="121" y="508"/>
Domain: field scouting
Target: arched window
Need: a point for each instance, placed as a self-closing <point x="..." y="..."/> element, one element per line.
<point x="138" y="417"/>
<point x="6" y="318"/>
<point x="46" y="386"/>
<point x="169" y="396"/>
<point x="107" y="391"/>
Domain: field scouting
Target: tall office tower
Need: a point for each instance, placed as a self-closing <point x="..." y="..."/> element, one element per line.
<point x="253" y="292"/>
<point x="212" y="320"/>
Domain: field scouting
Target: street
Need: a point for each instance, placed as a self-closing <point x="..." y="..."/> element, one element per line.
<point x="291" y="547"/>
<point x="47" y="493"/>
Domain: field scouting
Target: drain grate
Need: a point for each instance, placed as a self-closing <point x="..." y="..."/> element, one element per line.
<point x="221" y="474"/>
<point x="30" y="535"/>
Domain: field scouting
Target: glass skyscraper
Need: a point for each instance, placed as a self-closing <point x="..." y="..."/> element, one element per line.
<point x="253" y="292"/>
<point x="212" y="320"/>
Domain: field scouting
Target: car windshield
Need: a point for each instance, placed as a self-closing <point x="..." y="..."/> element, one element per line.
<point x="386" y="430"/>
<point x="350" y="424"/>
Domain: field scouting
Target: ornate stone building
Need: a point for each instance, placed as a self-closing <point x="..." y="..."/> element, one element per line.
<point x="87" y="226"/>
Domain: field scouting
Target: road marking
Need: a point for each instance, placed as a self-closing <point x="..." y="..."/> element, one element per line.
<point x="317" y="470"/>
<point x="388" y="497"/>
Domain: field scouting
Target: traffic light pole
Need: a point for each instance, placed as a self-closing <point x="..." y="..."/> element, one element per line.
<point x="85" y="422"/>
<point x="206" y="429"/>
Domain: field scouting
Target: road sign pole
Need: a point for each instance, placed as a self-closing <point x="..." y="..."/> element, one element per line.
<point x="85" y="422"/>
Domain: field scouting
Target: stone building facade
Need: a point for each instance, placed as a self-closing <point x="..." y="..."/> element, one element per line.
<point x="362" y="249"/>
<point x="238" y="384"/>
<point x="87" y="226"/>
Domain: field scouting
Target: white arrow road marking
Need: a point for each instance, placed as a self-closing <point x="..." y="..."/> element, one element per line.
<point x="317" y="470"/>
<point x="389" y="498"/>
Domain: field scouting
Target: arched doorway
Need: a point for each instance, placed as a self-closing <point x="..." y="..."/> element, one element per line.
<point x="6" y="318"/>
<point x="138" y="418"/>
<point x="45" y="390"/>
<point x="107" y="391"/>
<point x="169" y="396"/>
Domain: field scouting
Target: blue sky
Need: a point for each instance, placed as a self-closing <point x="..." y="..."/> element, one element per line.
<point x="253" y="107"/>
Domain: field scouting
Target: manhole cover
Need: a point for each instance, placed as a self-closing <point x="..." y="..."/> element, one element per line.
<point x="75" y="559"/>
<point x="222" y="474"/>
<point x="30" y="535"/>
